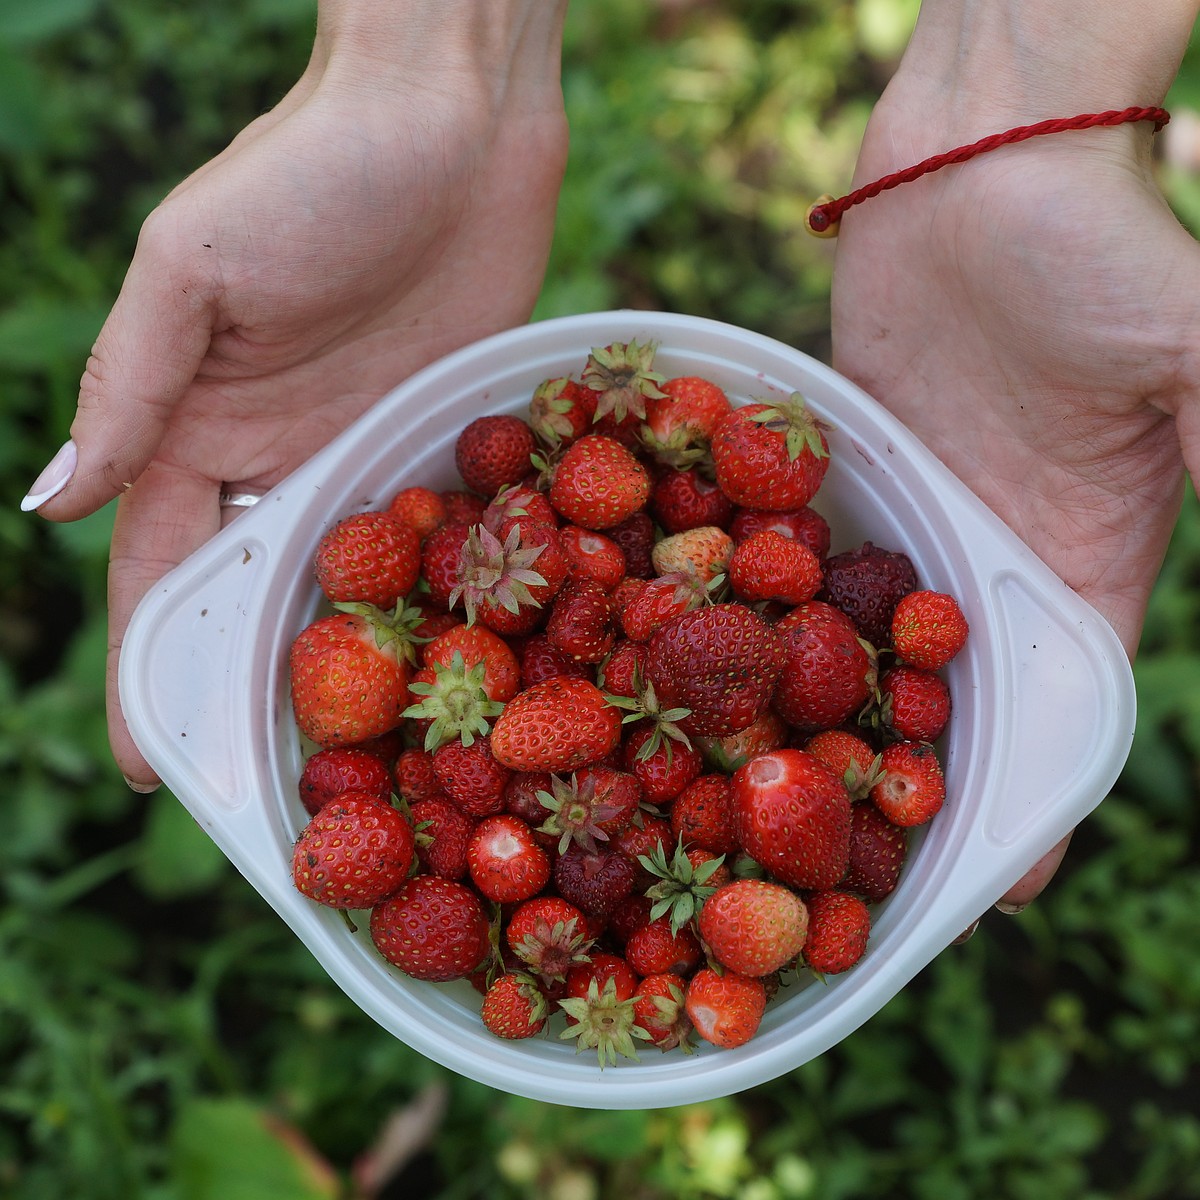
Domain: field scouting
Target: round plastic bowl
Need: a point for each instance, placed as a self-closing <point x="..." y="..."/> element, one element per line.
<point x="1043" y="693"/>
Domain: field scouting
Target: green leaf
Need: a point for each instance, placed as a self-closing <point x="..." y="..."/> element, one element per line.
<point x="177" y="858"/>
<point x="23" y="21"/>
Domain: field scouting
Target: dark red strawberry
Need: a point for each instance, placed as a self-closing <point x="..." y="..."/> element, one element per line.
<point x="595" y="880"/>
<point x="493" y="452"/>
<point x="443" y="831"/>
<point x="878" y="849"/>
<point x="582" y="621"/>
<point x="866" y="584"/>
<point x="329" y="773"/>
<point x="686" y="499"/>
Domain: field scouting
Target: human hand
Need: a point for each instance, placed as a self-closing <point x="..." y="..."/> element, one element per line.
<point x="1032" y="315"/>
<point x="398" y="203"/>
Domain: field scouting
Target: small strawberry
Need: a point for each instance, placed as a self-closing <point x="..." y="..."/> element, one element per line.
<point x="582" y="621"/>
<point x="769" y="566"/>
<point x="620" y="674"/>
<point x="657" y="600"/>
<point x="702" y="553"/>
<point x="660" y="758"/>
<point x="657" y="949"/>
<point x="636" y="536"/>
<point x="549" y="935"/>
<point x="421" y="508"/>
<point x="592" y="555"/>
<point x="623" y="377"/>
<point x="685" y="499"/>
<point x="440" y="554"/>
<point x="513" y="1007"/>
<point x="679" y="887"/>
<point x="493" y="452"/>
<point x="504" y="860"/>
<point x="557" y="725"/>
<point x="658" y="1008"/>
<point x="561" y="410"/>
<point x="771" y="456"/>
<point x="680" y="421"/>
<point x="600" y="1008"/>
<point x="414" y="774"/>
<point x="913" y="788"/>
<point x="914" y="704"/>
<point x="839" y="925"/>
<point x="594" y="880"/>
<point x="465" y="507"/>
<point x="596" y="803"/>
<point x="443" y="833"/>
<point x="369" y="558"/>
<point x="792" y="815"/>
<point x="514" y="502"/>
<point x="702" y="814"/>
<point x="540" y="660"/>
<point x="329" y="773"/>
<point x="753" y="926"/>
<point x="478" y="645"/>
<point x="850" y="756"/>
<point x="353" y="853"/>
<point x="471" y="776"/>
<point x="877" y="852"/>
<point x="768" y="731"/>
<point x="598" y="483"/>
<point x="866" y="584"/>
<point x="804" y="525"/>
<point x="504" y="583"/>
<point x="431" y="928"/>
<point x="928" y="629"/>
<point x="725" y="1009"/>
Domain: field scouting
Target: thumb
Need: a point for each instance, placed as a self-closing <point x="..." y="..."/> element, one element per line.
<point x="144" y="359"/>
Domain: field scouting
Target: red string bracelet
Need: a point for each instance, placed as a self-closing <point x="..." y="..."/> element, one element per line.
<point x="823" y="217"/>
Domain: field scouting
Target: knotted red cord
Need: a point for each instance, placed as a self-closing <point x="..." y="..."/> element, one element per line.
<point x="823" y="217"/>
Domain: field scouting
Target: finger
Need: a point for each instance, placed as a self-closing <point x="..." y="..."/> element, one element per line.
<point x="145" y="357"/>
<point x="165" y="516"/>
<point x="1032" y="883"/>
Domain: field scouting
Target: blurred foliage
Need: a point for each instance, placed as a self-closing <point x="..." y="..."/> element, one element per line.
<point x="164" y="1036"/>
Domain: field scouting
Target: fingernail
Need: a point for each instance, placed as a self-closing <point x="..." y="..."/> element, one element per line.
<point x="966" y="934"/>
<point x="1009" y="909"/>
<point x="143" y="788"/>
<point x="53" y="479"/>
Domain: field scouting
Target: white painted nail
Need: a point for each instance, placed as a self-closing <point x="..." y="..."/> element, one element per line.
<point x="53" y="479"/>
<point x="143" y="789"/>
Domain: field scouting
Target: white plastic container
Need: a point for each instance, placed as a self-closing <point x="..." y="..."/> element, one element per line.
<point x="1043" y="693"/>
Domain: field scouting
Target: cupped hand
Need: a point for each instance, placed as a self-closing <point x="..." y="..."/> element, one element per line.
<point x="352" y="235"/>
<point x="1034" y="317"/>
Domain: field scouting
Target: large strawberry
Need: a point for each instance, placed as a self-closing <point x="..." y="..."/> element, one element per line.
<point x="770" y="456"/>
<point x="432" y="928"/>
<point x="598" y="483"/>
<point x="720" y="661"/>
<point x="557" y="725"/>
<point x="754" y="926"/>
<point x="368" y="558"/>
<point x="349" y="676"/>
<point x="792" y="814"/>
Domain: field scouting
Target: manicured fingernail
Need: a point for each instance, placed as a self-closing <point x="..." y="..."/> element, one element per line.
<point x="143" y="788"/>
<point x="53" y="479"/>
<point x="966" y="934"/>
<point x="1008" y="909"/>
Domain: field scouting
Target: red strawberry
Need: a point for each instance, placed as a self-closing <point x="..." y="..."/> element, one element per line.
<point x="557" y="725"/>
<point x="702" y="814"/>
<point x="635" y="535"/>
<point x="421" y="508"/>
<point x="721" y="662"/>
<point x="518" y="501"/>
<point x="504" y="861"/>
<point x="369" y="558"/>
<point x="753" y="926"/>
<point x="540" y="660"/>
<point x="914" y="703"/>
<point x="592" y="555"/>
<point x="582" y="621"/>
<point x="725" y="1009"/>
<point x="685" y="499"/>
<point x="792" y="815"/>
<point x="549" y="935"/>
<point x="623" y="377"/>
<point x="866" y="584"/>
<point x="928" y="629"/>
<point x="561" y="410"/>
<point x="415" y="776"/>
<point x="443" y="832"/>
<point x="504" y="581"/>
<point x="771" y="456"/>
<point x="663" y="765"/>
<point x="620" y="673"/>
<point x="349" y="678"/>
<point x="513" y="1007"/>
<point x="596" y="803"/>
<point x="353" y="853"/>
<point x="826" y="670"/>
<point x="598" y="483"/>
<point x="493" y="452"/>
<point x="913" y="788"/>
<point x="768" y="731"/>
<point x="501" y="675"/>
<point x="440" y="555"/>
<point x="804" y="525"/>
<point x="838" y="927"/>
<point x="877" y="852"/>
<point x="658" y="1009"/>
<point x="680" y="421"/>
<point x="850" y="756"/>
<point x="594" y="880"/>
<point x="769" y="566"/>
<point x="656" y="949"/>
<point x="431" y="928"/>
<point x="657" y="600"/>
<point x="329" y="773"/>
<point x="600" y="1008"/>
<point x="464" y="507"/>
<point x="471" y="776"/>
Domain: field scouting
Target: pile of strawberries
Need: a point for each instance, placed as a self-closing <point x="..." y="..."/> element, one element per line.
<point x="610" y="731"/>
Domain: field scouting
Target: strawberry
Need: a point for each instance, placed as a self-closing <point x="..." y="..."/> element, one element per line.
<point x="680" y="421"/>
<point x="592" y="555"/>
<point x="558" y="725"/>
<point x="517" y="501"/>
<point x="451" y="702"/>
<point x="866" y="584"/>
<point x="914" y="704"/>
<point x="803" y="524"/>
<point x="593" y="805"/>
<point x="838" y="927"/>
<point x="753" y="926"/>
<point x="635" y="535"/>
<point x="928" y="629"/>
<point x="443" y="833"/>
<point x="679" y="887"/>
<point x="877" y="852"/>
<point x="598" y="483"/>
<point x="657" y="600"/>
<point x="644" y="838"/>
<point x="501" y="675"/>
<point x="701" y="814"/>
<point x="414" y="775"/>
<point x="620" y="673"/>
<point x="594" y="880"/>
<point x="826" y="669"/>
<point x="369" y="558"/>
<point x="463" y="507"/>
<point x="504" y="582"/>
<point x="582" y="621"/>
<point x="420" y="508"/>
<point x="721" y="662"/>
<point x="440" y="555"/>
<point x="769" y="566"/>
<point x="850" y="756"/>
<point x="684" y="499"/>
<point x="513" y="1007"/>
<point x="504" y="860"/>
<point x="540" y="660"/>
<point x="353" y="853"/>
<point x="328" y="773"/>
<point x="471" y="776"/>
<point x="913" y="787"/>
<point x="702" y="553"/>
<point x="431" y="928"/>
<point x="662" y="764"/>
<point x="771" y="456"/>
<point x="600" y="1008"/>
<point x="792" y="815"/>
<point x="768" y="731"/>
<point x="623" y="377"/>
<point x="561" y="410"/>
<point x="349" y="676"/>
<point x="493" y="451"/>
<point x="725" y="1009"/>
<point x="549" y="935"/>
<point x="658" y="1008"/>
<point x="656" y="949"/>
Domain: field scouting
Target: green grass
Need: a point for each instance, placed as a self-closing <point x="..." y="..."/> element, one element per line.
<point x="165" y="1036"/>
